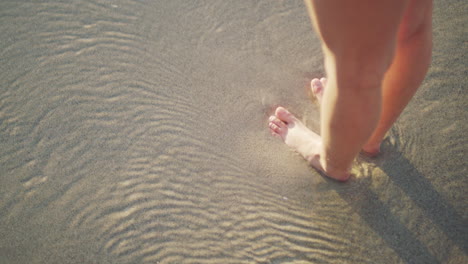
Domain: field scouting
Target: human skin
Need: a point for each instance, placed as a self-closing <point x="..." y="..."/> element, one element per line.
<point x="409" y="67"/>
<point x="376" y="56"/>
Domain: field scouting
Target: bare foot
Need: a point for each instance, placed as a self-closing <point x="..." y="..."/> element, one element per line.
<point x="297" y="136"/>
<point x="318" y="86"/>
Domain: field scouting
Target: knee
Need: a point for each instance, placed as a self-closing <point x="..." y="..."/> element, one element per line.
<point x="410" y="32"/>
<point x="366" y="83"/>
<point x="360" y="68"/>
<point x="416" y="22"/>
<point x="363" y="74"/>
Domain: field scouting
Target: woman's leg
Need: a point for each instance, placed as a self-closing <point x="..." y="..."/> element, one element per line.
<point x="359" y="39"/>
<point x="409" y="67"/>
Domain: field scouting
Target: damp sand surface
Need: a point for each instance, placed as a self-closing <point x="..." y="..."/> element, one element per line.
<point x="136" y="132"/>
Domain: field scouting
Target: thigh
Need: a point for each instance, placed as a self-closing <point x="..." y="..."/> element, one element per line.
<point x="360" y="31"/>
<point x="357" y="26"/>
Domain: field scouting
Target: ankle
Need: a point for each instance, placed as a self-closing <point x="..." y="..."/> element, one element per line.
<point x="371" y="149"/>
<point x="334" y="172"/>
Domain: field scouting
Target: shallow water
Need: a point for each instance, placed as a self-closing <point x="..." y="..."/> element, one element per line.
<point x="135" y="132"/>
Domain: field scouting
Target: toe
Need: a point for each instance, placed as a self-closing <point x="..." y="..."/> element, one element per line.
<point x="274" y="128"/>
<point x="316" y="86"/>
<point x="275" y="120"/>
<point x="323" y="80"/>
<point x="284" y="115"/>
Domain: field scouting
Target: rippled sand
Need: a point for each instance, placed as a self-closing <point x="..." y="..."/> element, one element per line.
<point x="136" y="132"/>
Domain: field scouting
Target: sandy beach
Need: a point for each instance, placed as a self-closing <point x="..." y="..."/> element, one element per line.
<point x="136" y="132"/>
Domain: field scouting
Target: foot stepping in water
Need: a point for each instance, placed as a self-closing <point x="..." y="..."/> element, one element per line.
<point x="296" y="135"/>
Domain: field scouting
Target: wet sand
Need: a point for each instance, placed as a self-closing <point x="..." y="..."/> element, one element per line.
<point x="136" y="132"/>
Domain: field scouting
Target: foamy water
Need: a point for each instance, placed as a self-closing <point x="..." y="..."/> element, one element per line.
<point x="136" y="132"/>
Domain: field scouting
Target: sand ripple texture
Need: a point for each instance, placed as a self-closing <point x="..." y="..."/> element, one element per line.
<point x="135" y="132"/>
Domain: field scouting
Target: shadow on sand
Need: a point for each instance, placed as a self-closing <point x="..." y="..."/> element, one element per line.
<point x="416" y="186"/>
